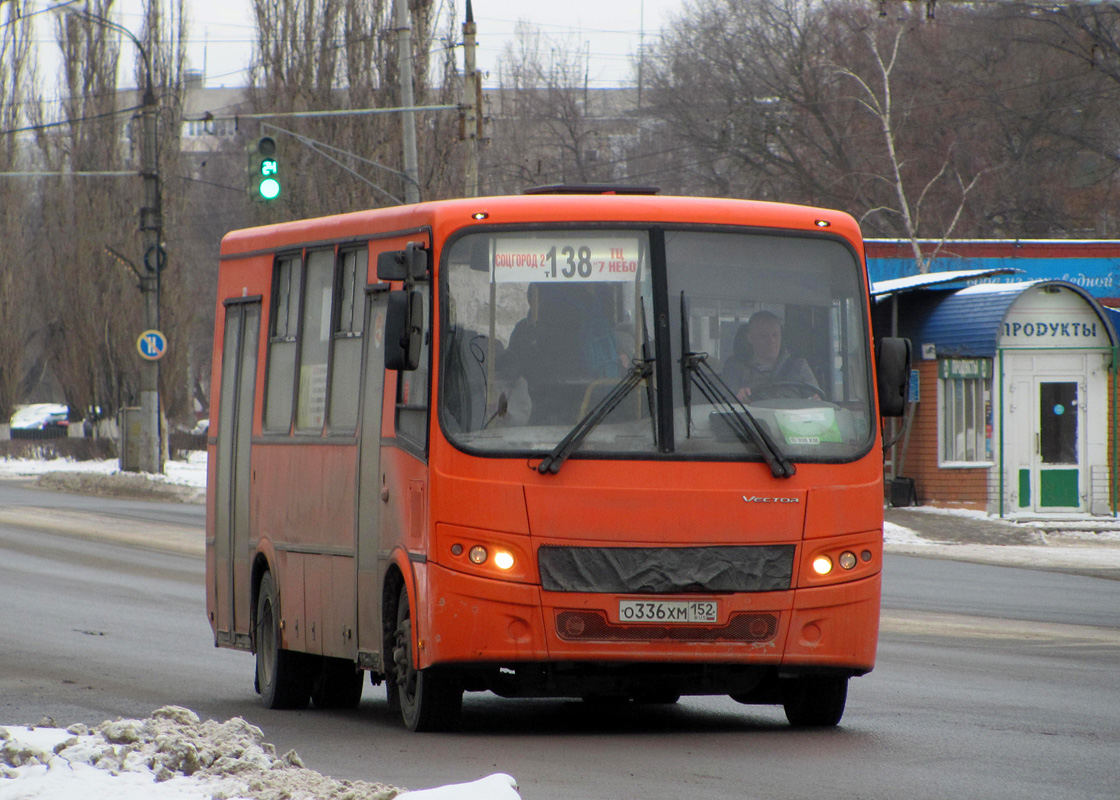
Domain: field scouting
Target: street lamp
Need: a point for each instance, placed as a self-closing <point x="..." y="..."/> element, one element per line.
<point x="154" y="256"/>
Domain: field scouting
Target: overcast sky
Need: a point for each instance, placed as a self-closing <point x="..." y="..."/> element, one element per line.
<point x="608" y="30"/>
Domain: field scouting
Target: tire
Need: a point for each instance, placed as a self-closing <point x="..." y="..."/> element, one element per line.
<point x="283" y="676"/>
<point x="815" y="701"/>
<point x="430" y="699"/>
<point x="338" y="684"/>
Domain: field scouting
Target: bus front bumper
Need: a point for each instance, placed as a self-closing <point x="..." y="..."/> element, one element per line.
<point x="481" y="620"/>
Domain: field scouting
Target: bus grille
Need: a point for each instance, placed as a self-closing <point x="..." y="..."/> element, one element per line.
<point x="666" y="570"/>
<point x="741" y="627"/>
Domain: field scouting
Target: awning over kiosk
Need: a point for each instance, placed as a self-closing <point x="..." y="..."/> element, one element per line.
<point x="976" y="321"/>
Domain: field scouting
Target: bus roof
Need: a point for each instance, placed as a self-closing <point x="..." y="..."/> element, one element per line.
<point x="446" y="216"/>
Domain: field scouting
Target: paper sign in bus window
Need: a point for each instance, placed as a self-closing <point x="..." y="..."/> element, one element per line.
<point x="808" y="426"/>
<point x="566" y="260"/>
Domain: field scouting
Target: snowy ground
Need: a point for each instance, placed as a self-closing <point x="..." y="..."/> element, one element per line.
<point x="174" y="755"/>
<point x="1079" y="543"/>
<point x="191" y="472"/>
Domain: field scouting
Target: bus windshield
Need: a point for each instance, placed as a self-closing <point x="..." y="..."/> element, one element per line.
<point x="764" y="332"/>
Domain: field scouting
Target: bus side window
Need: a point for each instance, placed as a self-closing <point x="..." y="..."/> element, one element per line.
<point x="346" y="360"/>
<point x="412" y="385"/>
<point x="315" y="339"/>
<point x="284" y="322"/>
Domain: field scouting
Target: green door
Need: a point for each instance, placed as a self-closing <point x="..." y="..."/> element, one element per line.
<point x="1059" y="475"/>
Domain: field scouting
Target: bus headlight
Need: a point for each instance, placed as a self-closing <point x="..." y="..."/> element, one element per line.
<point x="822" y="565"/>
<point x="483" y="553"/>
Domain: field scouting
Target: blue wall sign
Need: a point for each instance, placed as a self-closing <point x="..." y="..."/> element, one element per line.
<point x="1100" y="277"/>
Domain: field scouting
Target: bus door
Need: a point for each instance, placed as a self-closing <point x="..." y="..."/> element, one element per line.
<point x="235" y="430"/>
<point x="370" y="568"/>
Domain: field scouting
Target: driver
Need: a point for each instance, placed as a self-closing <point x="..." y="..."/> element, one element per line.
<point x="758" y="362"/>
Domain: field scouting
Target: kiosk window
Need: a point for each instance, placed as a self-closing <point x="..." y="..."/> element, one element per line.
<point x="964" y="420"/>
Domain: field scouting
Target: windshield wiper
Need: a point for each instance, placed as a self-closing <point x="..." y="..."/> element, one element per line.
<point x="649" y="358"/>
<point x="638" y="372"/>
<point x="696" y="369"/>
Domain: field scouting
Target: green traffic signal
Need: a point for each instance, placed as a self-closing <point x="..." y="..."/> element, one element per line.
<point x="270" y="182"/>
<point x="269" y="189"/>
<point x="264" y="169"/>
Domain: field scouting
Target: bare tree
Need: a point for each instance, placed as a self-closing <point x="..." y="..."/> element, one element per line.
<point x="912" y="189"/>
<point x="324" y="55"/>
<point x="988" y="120"/>
<point x="16" y="88"/>
<point x="746" y="95"/>
<point x="1071" y="53"/>
<point x="91" y="309"/>
<point x="549" y="127"/>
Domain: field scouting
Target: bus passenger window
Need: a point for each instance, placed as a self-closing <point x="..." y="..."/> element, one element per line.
<point x="282" y="344"/>
<point x="346" y="360"/>
<point x="312" y="404"/>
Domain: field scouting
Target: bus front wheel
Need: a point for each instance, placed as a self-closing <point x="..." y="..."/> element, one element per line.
<point x="430" y="699"/>
<point x="283" y="676"/>
<point x="815" y="701"/>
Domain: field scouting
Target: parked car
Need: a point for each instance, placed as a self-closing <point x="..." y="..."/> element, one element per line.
<point x="41" y="416"/>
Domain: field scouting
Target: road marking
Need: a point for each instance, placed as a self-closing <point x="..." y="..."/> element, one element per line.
<point x="961" y="626"/>
<point x="169" y="537"/>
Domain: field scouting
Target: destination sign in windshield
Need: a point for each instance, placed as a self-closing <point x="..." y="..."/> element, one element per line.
<point x="566" y="259"/>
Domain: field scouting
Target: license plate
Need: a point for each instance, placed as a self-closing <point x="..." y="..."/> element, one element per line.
<point x="668" y="611"/>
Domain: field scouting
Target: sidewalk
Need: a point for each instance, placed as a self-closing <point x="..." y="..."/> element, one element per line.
<point x="1082" y="545"/>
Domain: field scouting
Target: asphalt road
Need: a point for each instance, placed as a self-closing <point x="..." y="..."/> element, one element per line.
<point x="991" y="683"/>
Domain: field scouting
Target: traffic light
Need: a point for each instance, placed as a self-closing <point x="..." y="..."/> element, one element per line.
<point x="264" y="169"/>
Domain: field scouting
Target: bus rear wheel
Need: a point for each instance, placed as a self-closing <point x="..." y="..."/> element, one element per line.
<point x="815" y="701"/>
<point x="283" y="676"/>
<point x="430" y="699"/>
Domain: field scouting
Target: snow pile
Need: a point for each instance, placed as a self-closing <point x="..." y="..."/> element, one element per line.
<point x="173" y="755"/>
<point x="190" y="472"/>
<point x="894" y="534"/>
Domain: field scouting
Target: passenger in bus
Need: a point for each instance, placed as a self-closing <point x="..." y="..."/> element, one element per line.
<point x="760" y="367"/>
<point x="564" y="342"/>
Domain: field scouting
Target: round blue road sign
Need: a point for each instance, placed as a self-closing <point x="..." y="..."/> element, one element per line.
<point x="152" y="345"/>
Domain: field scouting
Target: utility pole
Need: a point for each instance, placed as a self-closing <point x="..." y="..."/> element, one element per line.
<point x="151" y="241"/>
<point x="472" y="104"/>
<point x="408" y="126"/>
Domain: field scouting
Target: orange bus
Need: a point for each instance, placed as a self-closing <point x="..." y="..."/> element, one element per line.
<point x="547" y="446"/>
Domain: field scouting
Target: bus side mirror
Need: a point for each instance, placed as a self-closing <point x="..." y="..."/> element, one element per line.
<point x="403" y="331"/>
<point x="892" y="367"/>
<point x="403" y="265"/>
